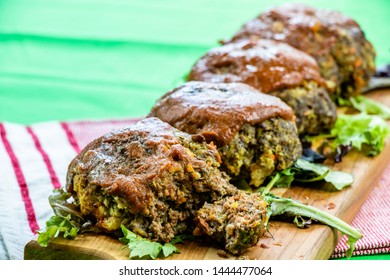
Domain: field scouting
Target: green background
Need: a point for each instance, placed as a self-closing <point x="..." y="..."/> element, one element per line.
<point x="98" y="59"/>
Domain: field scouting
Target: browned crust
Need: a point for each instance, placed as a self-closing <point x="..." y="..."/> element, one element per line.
<point x="266" y="65"/>
<point x="336" y="41"/>
<point x="217" y="111"/>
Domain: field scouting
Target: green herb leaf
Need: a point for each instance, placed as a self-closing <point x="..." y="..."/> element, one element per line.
<point x="54" y="227"/>
<point x="351" y="243"/>
<point x="340" y="101"/>
<point x="339" y="179"/>
<point x="361" y="131"/>
<point x="306" y="172"/>
<point x="181" y="238"/>
<point x="369" y="106"/>
<point x="142" y="248"/>
<point x="67" y="219"/>
<point x="58" y="201"/>
<point x="303" y="166"/>
<point x="168" y="249"/>
<point x="128" y="235"/>
<point x="286" y="178"/>
<point x="287" y="206"/>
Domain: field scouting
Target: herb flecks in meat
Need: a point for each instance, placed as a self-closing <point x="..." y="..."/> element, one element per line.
<point x="238" y="222"/>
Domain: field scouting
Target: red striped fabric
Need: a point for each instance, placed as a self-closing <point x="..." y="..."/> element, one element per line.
<point x="374" y="221"/>
<point x="32" y="220"/>
<point x="53" y="176"/>
<point x="70" y="136"/>
<point x="82" y="132"/>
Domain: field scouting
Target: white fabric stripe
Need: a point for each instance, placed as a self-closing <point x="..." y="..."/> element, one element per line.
<point x="14" y="226"/>
<point x="55" y="143"/>
<point x="4" y="254"/>
<point x="34" y="170"/>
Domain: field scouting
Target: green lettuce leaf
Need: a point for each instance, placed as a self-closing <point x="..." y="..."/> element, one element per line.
<point x="371" y="107"/>
<point x="364" y="132"/>
<point x="169" y="249"/>
<point x="287" y="206"/>
<point x="337" y="179"/>
<point x="141" y="248"/>
<point x="66" y="221"/>
<point x="56" y="226"/>
<point x="307" y="172"/>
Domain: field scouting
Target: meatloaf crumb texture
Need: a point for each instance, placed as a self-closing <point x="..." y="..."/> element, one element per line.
<point x="237" y="222"/>
<point x="149" y="177"/>
<point x="257" y="151"/>
<point x="315" y="111"/>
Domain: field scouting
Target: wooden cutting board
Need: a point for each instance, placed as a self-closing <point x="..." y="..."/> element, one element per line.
<point x="284" y="240"/>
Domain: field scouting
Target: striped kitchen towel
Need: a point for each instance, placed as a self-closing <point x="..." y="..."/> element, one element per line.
<point x="34" y="161"/>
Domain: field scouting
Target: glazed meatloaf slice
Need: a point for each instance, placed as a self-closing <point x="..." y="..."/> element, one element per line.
<point x="236" y="222"/>
<point x="275" y="68"/>
<point x="345" y="56"/>
<point x="150" y="177"/>
<point x="255" y="133"/>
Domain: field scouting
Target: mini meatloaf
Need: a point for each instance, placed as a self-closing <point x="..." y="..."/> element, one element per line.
<point x="275" y="68"/>
<point x="346" y="58"/>
<point x="237" y="222"/>
<point x="150" y="177"/>
<point x="255" y="133"/>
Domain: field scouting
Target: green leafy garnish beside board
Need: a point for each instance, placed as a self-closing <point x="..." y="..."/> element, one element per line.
<point x="55" y="227"/>
<point x="365" y="133"/>
<point x="143" y="248"/>
<point x="306" y="172"/>
<point x="287" y="206"/>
